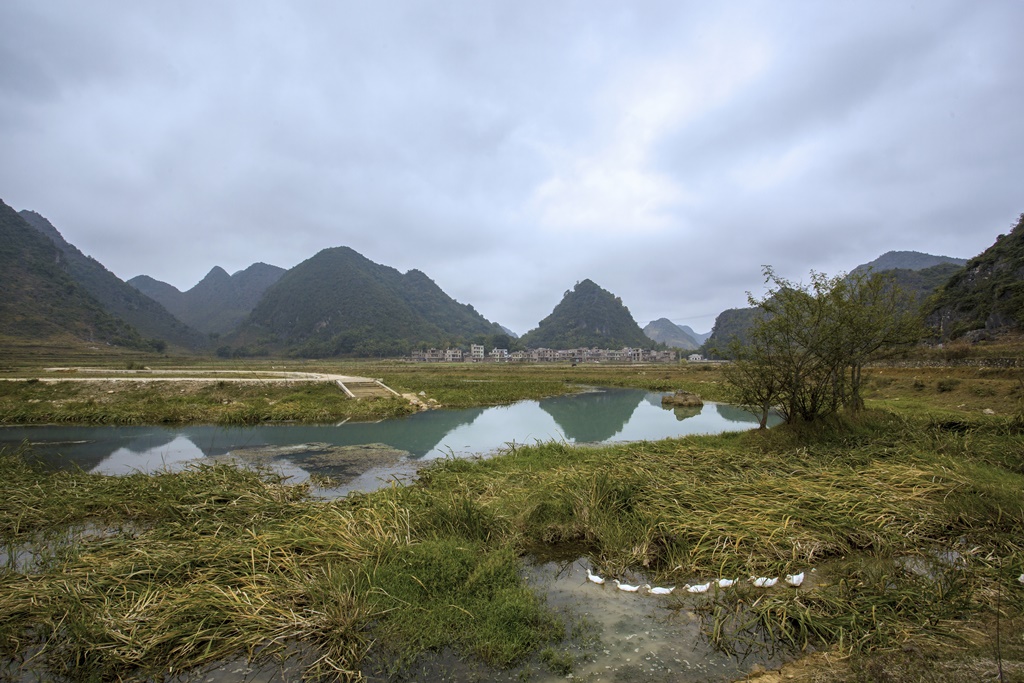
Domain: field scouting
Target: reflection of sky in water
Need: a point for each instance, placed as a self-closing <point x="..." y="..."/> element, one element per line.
<point x="649" y="423"/>
<point x="523" y="423"/>
<point x="168" y="456"/>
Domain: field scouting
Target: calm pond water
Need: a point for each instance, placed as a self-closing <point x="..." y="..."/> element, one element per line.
<point x="362" y="456"/>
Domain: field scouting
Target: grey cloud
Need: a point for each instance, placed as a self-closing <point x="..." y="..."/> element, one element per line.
<point x="166" y="139"/>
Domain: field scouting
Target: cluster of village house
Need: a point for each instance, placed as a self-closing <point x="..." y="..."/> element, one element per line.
<point x="477" y="354"/>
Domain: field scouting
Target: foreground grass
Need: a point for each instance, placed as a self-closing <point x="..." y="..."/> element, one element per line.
<point x="124" y="578"/>
<point x="141" y="575"/>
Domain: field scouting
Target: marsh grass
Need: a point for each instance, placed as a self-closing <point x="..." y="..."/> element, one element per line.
<point x="197" y="567"/>
<point x="913" y="519"/>
<point x="865" y="496"/>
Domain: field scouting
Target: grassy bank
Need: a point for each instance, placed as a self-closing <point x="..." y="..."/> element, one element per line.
<point x="106" y="401"/>
<point x="467" y="385"/>
<point x="954" y="391"/>
<point x="166" y="402"/>
<point x="913" y="526"/>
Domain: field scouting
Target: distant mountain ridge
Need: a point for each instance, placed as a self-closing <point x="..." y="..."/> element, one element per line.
<point x="699" y="337"/>
<point x="668" y="333"/>
<point x="587" y="316"/>
<point x="219" y="302"/>
<point x="906" y="260"/>
<point x="144" y="314"/>
<point x="341" y="303"/>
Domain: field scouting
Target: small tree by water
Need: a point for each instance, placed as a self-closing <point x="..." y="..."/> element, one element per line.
<point x="805" y="354"/>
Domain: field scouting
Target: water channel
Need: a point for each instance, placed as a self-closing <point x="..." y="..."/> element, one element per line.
<point x="365" y="456"/>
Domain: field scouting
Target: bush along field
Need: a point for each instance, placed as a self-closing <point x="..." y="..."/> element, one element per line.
<point x="911" y="522"/>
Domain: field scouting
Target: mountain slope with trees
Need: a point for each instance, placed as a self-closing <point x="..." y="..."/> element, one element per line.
<point x="340" y="303"/>
<point x="906" y="260"/>
<point x="219" y="302"/>
<point x="987" y="293"/>
<point x="919" y="275"/>
<point x="668" y="333"/>
<point x="731" y="326"/>
<point x="116" y="296"/>
<point x="587" y="316"/>
<point x="41" y="300"/>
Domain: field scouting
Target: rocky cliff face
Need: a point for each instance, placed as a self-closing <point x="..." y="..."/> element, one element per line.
<point x="987" y="293"/>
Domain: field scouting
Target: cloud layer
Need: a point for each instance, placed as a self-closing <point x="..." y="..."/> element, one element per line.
<point x="665" y="150"/>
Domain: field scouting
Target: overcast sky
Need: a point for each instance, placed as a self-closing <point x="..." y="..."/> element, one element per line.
<point x="665" y="150"/>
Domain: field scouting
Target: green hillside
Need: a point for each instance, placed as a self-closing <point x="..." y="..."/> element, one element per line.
<point x="731" y="325"/>
<point x="40" y="300"/>
<point x="116" y="296"/>
<point x="587" y="316"/>
<point x="987" y="293"/>
<point x="925" y="282"/>
<point x="341" y="303"/>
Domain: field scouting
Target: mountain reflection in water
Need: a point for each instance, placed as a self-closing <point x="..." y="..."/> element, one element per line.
<point x="593" y="417"/>
<point x="600" y="416"/>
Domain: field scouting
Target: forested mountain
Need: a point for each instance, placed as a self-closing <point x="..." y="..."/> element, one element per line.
<point x="219" y="302"/>
<point x="587" y="316"/>
<point x="906" y="260"/>
<point x="341" y="303"/>
<point x="731" y="325"/>
<point x="41" y="300"/>
<point x="668" y="333"/>
<point x="147" y="316"/>
<point x="918" y="273"/>
<point x="925" y="282"/>
<point x="986" y="293"/>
